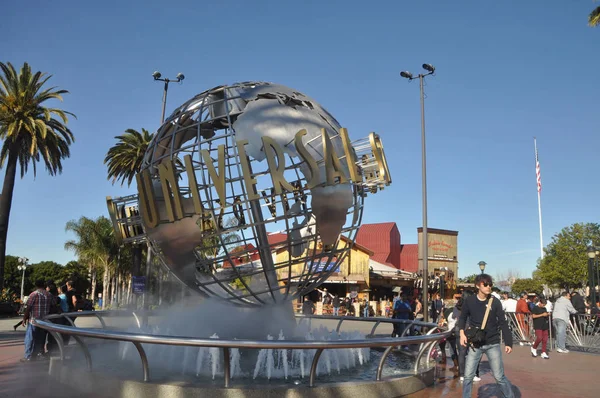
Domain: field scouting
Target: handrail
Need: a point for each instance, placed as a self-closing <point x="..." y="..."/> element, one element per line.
<point x="221" y="343"/>
<point x="425" y="341"/>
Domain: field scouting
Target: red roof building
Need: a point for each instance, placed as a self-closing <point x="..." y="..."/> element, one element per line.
<point x="384" y="240"/>
<point x="409" y="257"/>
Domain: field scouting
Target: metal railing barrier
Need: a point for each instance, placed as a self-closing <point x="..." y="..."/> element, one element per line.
<point x="426" y="341"/>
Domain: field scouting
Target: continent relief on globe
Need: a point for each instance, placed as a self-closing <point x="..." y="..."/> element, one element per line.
<point x="334" y="172"/>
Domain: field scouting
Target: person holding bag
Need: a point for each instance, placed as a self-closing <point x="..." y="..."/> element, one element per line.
<point x="482" y="336"/>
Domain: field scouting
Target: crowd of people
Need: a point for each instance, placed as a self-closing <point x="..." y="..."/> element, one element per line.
<point x="500" y="314"/>
<point x="47" y="299"/>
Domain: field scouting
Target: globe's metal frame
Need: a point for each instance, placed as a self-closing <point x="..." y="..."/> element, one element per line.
<point x="195" y="126"/>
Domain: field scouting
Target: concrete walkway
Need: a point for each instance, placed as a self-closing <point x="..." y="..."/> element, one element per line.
<point x="563" y="375"/>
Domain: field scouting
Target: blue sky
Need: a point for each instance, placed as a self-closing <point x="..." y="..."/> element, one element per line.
<point x="506" y="71"/>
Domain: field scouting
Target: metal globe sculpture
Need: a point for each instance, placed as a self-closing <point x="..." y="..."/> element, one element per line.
<point x="252" y="193"/>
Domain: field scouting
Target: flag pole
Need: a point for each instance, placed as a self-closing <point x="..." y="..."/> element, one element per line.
<point x="539" y="190"/>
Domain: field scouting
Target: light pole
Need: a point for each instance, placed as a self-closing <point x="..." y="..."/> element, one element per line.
<point x="482" y="265"/>
<point x="407" y="75"/>
<point x="23" y="263"/>
<point x="591" y="252"/>
<point x="157" y="76"/>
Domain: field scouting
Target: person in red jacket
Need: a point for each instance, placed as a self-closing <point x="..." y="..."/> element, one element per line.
<point x="522" y="316"/>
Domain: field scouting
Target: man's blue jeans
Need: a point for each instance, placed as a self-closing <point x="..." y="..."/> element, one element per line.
<point x="28" y="341"/>
<point x="494" y="356"/>
<point x="336" y="311"/>
<point x="560" y="326"/>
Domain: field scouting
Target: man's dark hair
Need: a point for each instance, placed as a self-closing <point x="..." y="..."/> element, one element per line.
<point x="523" y="294"/>
<point x="69" y="283"/>
<point x="543" y="301"/>
<point x="40" y="284"/>
<point x="564" y="294"/>
<point x="483" y="278"/>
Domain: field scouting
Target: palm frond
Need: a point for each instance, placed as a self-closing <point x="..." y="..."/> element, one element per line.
<point x="594" y="17"/>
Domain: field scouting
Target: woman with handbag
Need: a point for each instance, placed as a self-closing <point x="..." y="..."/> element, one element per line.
<point x="482" y="335"/>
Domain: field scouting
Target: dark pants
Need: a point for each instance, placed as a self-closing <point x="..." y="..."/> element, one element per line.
<point x="39" y="341"/>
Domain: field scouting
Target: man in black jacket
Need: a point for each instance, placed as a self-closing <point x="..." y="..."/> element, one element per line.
<point x="473" y="310"/>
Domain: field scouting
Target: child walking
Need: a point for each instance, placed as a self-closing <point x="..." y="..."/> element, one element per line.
<point x="541" y="324"/>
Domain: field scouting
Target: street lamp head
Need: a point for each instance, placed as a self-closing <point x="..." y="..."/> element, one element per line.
<point x="406" y="75"/>
<point x="180" y="77"/>
<point x="429" y="68"/>
<point x="591" y="252"/>
<point x="156" y="75"/>
<point x="482" y="265"/>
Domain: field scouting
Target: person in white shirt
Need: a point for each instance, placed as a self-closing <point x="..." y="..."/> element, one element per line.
<point x="510" y="304"/>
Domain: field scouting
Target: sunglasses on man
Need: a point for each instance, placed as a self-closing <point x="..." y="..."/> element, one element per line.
<point x="486" y="284"/>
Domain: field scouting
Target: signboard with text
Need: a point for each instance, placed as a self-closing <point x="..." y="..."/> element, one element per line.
<point x="139" y="284"/>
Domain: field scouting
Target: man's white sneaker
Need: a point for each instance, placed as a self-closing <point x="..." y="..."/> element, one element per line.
<point x="533" y="352"/>
<point x="562" y="351"/>
<point x="521" y="344"/>
<point x="476" y="378"/>
<point x="462" y="378"/>
<point x="544" y="355"/>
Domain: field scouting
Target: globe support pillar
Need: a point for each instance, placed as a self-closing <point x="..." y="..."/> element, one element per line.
<point x="264" y="250"/>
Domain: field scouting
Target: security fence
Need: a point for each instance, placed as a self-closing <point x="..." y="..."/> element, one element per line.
<point x="583" y="330"/>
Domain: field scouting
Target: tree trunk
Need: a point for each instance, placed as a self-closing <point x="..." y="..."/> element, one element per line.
<point x="93" y="298"/>
<point x="5" y="205"/>
<point x="112" y="290"/>
<point x="105" y="286"/>
<point x="129" y="290"/>
<point x="120" y="288"/>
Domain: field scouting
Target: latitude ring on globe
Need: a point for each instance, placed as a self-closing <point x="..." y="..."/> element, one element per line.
<point x="251" y="193"/>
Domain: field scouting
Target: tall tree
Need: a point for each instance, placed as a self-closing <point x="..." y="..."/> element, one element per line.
<point x="124" y="161"/>
<point x="95" y="245"/>
<point x="30" y="134"/>
<point x="565" y="262"/>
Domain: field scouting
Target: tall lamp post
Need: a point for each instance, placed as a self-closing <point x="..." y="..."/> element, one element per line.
<point x="407" y="75"/>
<point x="482" y="265"/>
<point x="591" y="252"/>
<point x="23" y="264"/>
<point x="158" y="77"/>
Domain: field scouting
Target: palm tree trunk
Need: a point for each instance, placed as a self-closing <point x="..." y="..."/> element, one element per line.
<point x="120" y="288"/>
<point x="94" y="282"/>
<point x="128" y="289"/>
<point x="105" y="286"/>
<point x="5" y="205"/>
<point x="111" y="290"/>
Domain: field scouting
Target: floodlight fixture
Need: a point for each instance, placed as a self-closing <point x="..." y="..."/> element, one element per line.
<point x="156" y="75"/>
<point x="429" y="68"/>
<point x="180" y="77"/>
<point x="406" y="75"/>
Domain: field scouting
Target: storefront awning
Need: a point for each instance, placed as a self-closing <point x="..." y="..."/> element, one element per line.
<point x="388" y="271"/>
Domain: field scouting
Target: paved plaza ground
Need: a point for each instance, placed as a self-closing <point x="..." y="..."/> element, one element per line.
<point x="563" y="375"/>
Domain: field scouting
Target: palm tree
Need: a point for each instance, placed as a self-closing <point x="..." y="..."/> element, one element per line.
<point x="594" y="17"/>
<point x="124" y="160"/>
<point x="97" y="246"/>
<point x="30" y="132"/>
<point x="83" y="246"/>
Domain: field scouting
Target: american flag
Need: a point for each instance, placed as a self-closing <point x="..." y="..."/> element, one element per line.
<point x="538" y="172"/>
